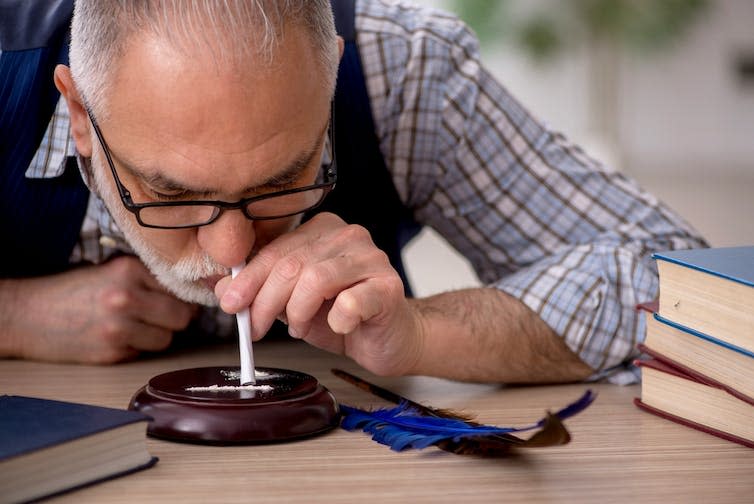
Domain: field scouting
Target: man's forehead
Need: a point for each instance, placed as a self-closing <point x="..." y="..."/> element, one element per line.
<point x="153" y="78"/>
<point x="154" y="83"/>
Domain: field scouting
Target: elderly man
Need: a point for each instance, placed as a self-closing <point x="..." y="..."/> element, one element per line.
<point x="213" y="134"/>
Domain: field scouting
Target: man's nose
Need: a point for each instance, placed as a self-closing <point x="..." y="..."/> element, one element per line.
<point x="229" y="239"/>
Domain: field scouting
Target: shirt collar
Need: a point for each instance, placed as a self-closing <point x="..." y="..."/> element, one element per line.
<point x="56" y="146"/>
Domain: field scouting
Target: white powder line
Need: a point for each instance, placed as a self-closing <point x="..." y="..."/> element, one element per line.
<point x="236" y="375"/>
<point x="229" y="388"/>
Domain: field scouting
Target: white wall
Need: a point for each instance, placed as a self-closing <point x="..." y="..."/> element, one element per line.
<point x="680" y="108"/>
<point x="686" y="110"/>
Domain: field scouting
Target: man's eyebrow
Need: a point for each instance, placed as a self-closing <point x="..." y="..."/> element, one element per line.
<point x="291" y="172"/>
<point x="294" y="169"/>
<point x="157" y="180"/>
<point x="288" y="175"/>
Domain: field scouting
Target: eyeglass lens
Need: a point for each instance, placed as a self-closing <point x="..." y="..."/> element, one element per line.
<point x="276" y="206"/>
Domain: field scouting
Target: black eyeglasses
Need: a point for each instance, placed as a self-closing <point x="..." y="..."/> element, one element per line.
<point x="196" y="213"/>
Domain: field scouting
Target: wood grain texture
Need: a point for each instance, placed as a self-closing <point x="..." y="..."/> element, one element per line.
<point x="618" y="453"/>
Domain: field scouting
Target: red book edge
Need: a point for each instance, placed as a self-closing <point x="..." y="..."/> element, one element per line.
<point x="688" y="423"/>
<point x="650" y="306"/>
<point x="670" y="369"/>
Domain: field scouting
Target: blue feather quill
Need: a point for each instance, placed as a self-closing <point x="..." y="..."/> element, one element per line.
<point x="407" y="426"/>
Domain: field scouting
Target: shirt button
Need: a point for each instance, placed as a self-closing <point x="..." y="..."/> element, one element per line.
<point x="108" y="241"/>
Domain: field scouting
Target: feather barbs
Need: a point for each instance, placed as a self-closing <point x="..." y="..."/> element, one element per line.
<point x="411" y="425"/>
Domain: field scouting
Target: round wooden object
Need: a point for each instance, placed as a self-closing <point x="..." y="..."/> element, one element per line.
<point x="208" y="405"/>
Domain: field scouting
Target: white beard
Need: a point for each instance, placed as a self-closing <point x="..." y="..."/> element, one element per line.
<point x="182" y="278"/>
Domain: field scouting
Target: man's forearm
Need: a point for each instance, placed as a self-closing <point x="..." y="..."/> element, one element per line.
<point x="485" y="335"/>
<point x="9" y="344"/>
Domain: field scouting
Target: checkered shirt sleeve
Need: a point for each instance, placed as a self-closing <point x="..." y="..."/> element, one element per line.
<point x="536" y="217"/>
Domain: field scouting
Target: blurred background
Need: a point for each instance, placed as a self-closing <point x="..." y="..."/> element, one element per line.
<point x="662" y="90"/>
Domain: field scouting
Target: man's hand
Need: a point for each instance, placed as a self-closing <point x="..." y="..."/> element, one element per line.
<point x="335" y="289"/>
<point x="95" y="314"/>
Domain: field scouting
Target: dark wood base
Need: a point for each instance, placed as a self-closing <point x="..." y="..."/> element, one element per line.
<point x="206" y="405"/>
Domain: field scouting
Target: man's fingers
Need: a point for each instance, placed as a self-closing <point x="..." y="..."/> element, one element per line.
<point x="313" y="239"/>
<point x="123" y="335"/>
<point x="148" y="338"/>
<point x="239" y="292"/>
<point x="131" y="270"/>
<point x="300" y="285"/>
<point x="318" y="283"/>
<point x="353" y="306"/>
<point x="135" y="292"/>
<point x="272" y="297"/>
<point x="165" y="311"/>
<point x="151" y="307"/>
<point x="222" y="286"/>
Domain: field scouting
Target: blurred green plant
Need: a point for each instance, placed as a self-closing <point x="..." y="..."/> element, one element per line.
<point x="488" y="18"/>
<point x="555" y="25"/>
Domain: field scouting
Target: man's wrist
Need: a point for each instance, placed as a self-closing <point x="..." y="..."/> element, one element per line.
<point x="416" y="352"/>
<point x="429" y="344"/>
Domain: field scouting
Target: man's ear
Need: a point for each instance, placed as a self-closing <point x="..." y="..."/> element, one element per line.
<point x="79" y="117"/>
<point x="341" y="46"/>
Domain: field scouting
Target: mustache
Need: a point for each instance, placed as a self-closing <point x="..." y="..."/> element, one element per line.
<point x="193" y="269"/>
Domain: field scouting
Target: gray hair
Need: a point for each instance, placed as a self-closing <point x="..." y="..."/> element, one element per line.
<point x="234" y="31"/>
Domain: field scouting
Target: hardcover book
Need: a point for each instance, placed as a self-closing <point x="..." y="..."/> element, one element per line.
<point x="699" y="354"/>
<point x="672" y="394"/>
<point x="710" y="290"/>
<point x="49" y="447"/>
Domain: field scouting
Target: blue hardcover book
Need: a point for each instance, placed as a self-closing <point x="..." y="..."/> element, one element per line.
<point x="710" y="291"/>
<point x="48" y="447"/>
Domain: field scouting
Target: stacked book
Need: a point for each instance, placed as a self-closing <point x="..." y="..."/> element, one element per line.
<point x="49" y="447"/>
<point x="700" y="342"/>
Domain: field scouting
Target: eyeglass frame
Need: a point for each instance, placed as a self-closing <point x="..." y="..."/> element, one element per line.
<point x="331" y="175"/>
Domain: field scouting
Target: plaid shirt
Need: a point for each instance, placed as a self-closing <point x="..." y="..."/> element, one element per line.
<point x="536" y="217"/>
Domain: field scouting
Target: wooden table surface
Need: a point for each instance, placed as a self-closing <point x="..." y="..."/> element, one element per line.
<point x="618" y="453"/>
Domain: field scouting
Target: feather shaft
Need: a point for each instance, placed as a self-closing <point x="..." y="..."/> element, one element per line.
<point x="396" y="398"/>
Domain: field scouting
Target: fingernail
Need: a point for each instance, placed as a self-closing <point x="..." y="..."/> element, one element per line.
<point x="293" y="332"/>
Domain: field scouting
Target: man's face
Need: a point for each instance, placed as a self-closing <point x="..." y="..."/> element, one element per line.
<point x="186" y="128"/>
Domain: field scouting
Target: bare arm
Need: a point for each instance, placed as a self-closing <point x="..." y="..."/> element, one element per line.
<point x="486" y="335"/>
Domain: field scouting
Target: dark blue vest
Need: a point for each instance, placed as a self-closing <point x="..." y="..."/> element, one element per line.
<point x="40" y="220"/>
